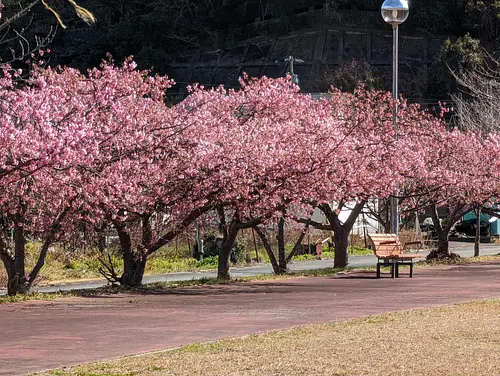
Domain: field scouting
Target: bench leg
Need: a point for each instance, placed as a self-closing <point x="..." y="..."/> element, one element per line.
<point x="393" y="270"/>
<point x="397" y="270"/>
<point x="411" y="270"/>
<point x="378" y="269"/>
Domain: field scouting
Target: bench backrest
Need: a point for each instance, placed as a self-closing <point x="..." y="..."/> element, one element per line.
<point x="386" y="244"/>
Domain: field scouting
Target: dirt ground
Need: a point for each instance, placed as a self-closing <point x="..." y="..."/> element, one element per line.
<point x="35" y="336"/>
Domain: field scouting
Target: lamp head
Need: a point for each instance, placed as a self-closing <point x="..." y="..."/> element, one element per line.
<point x="395" y="12"/>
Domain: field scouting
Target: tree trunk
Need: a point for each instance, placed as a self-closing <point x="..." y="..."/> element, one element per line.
<point x="341" y="230"/>
<point x="387" y="227"/>
<point x="341" y="240"/>
<point x="457" y="211"/>
<point x="17" y="283"/>
<point x="19" y="246"/>
<point x="101" y="243"/>
<point x="281" y="246"/>
<point x="50" y="238"/>
<point x="100" y="229"/>
<point x="229" y="233"/>
<point x="443" y="244"/>
<point x="16" y="280"/>
<point x="386" y="215"/>
<point x="147" y="232"/>
<point x="225" y="253"/>
<point x="297" y="246"/>
<point x="133" y="269"/>
<point x="477" y="239"/>
<point x="269" y="250"/>
<point x="248" y="258"/>
<point x="134" y="263"/>
<point x="255" y="246"/>
<point x="442" y="250"/>
<point x="41" y="260"/>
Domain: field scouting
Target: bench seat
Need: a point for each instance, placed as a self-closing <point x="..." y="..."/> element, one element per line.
<point x="391" y="252"/>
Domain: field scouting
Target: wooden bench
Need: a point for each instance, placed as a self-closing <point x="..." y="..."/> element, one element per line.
<point x="391" y="252"/>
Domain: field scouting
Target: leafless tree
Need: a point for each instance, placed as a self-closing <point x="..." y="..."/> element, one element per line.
<point x="14" y="37"/>
<point x="477" y="109"/>
<point x="477" y="103"/>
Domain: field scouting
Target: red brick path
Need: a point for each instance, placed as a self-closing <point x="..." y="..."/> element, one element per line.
<point x="40" y="335"/>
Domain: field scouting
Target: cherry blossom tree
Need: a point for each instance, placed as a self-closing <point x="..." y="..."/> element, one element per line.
<point x="455" y="169"/>
<point x="68" y="142"/>
<point x="142" y="178"/>
<point x="43" y="136"/>
<point x="477" y="110"/>
<point x="367" y="164"/>
<point x="263" y="144"/>
<point x="358" y="156"/>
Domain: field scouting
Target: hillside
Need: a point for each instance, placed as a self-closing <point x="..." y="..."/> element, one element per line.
<point x="214" y="41"/>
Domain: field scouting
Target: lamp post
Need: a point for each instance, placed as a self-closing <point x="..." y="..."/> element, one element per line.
<point x="395" y="12"/>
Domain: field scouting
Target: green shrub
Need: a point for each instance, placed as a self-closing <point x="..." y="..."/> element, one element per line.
<point x="359" y="251"/>
<point x="306" y="257"/>
<point x="239" y="252"/>
<point x="208" y="262"/>
<point x="329" y="254"/>
<point x="71" y="265"/>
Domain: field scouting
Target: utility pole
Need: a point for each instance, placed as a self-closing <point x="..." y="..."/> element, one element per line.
<point x="291" y="61"/>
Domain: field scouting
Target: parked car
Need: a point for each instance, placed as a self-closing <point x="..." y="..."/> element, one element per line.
<point x="468" y="228"/>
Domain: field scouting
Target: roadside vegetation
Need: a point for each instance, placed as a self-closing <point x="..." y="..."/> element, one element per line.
<point x="159" y="286"/>
<point x="65" y="265"/>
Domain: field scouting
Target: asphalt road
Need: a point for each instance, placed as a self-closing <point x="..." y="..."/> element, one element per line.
<point x="463" y="249"/>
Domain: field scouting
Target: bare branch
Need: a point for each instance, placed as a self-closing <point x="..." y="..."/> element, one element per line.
<point x="476" y="105"/>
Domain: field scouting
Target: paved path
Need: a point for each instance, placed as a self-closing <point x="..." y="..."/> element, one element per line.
<point x="41" y="335"/>
<point x="463" y="249"/>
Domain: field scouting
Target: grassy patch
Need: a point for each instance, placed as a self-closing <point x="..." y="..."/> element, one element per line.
<point x="33" y="296"/>
<point x="329" y="253"/>
<point x="462" y="260"/>
<point x="85" y="267"/>
<point x="453" y="340"/>
<point x="359" y="251"/>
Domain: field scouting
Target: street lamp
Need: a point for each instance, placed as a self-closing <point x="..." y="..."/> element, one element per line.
<point x="395" y="12"/>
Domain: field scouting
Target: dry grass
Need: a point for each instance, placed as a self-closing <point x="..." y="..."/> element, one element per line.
<point x="461" y="260"/>
<point x="454" y="340"/>
<point x="409" y="235"/>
